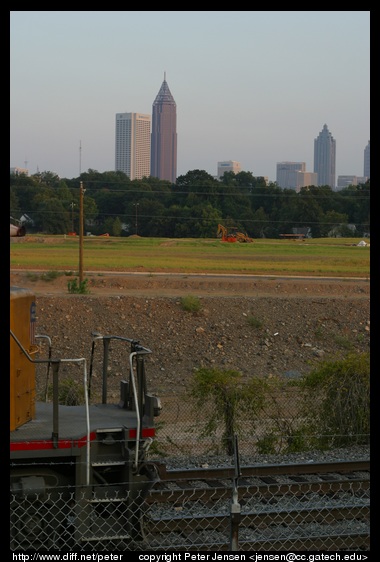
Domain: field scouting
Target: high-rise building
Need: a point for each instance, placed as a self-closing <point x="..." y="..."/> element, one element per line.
<point x="163" y="159"/>
<point x="132" y="144"/>
<point x="325" y="157"/>
<point x="228" y="166"/>
<point x="366" y="172"/>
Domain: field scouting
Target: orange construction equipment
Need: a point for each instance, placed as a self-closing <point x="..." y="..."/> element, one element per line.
<point x="223" y="234"/>
<point x="243" y="237"/>
<point x="232" y="237"/>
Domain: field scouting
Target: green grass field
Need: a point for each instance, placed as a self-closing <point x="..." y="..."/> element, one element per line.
<point x="312" y="257"/>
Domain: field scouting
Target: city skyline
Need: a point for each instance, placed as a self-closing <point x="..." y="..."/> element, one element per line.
<point x="252" y="87"/>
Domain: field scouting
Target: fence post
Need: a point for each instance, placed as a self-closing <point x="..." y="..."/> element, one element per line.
<point x="235" y="506"/>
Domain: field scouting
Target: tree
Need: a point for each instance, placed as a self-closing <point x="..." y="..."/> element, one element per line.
<point x="196" y="179"/>
<point x="196" y="203"/>
<point x="53" y="217"/>
<point x="332" y="223"/>
<point x="116" y="227"/>
<point x="228" y="400"/>
<point x="260" y="224"/>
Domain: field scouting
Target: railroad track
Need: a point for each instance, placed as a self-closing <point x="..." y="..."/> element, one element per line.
<point x="311" y="506"/>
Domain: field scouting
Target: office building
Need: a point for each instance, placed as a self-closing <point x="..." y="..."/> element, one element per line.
<point x="345" y="181"/>
<point x="228" y="166"/>
<point x="163" y="159"/>
<point x="132" y="144"/>
<point x="286" y="172"/>
<point x="293" y="175"/>
<point x="366" y="172"/>
<point x="325" y="157"/>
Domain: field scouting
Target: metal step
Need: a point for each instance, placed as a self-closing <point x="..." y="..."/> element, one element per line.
<point x="109" y="430"/>
<point x="107" y="500"/>
<point x="106" y="538"/>
<point x="108" y="463"/>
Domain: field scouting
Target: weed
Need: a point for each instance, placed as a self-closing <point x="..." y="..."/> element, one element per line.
<point x="50" y="275"/>
<point x="46" y="276"/>
<point x="342" y="341"/>
<point x="319" y="333"/>
<point x="297" y="442"/>
<point x="191" y="303"/>
<point x="255" y="322"/>
<point x="267" y="444"/>
<point x="70" y="393"/>
<point x="32" y="276"/>
<point x="78" y="288"/>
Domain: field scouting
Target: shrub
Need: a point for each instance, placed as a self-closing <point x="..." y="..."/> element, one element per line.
<point x="228" y="401"/>
<point x="70" y="392"/>
<point x="46" y="276"/>
<point x="337" y="401"/>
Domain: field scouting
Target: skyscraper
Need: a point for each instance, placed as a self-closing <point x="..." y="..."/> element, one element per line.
<point x="366" y="172"/>
<point x="324" y="157"/>
<point x="163" y="159"/>
<point x="132" y="144"/>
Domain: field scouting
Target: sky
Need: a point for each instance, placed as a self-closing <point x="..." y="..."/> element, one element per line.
<point x="255" y="87"/>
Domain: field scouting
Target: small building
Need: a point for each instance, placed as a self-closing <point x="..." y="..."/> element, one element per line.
<point x="18" y="171"/>
<point x="228" y="166"/>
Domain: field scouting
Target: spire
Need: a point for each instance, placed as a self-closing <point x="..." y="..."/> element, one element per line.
<point x="164" y="95"/>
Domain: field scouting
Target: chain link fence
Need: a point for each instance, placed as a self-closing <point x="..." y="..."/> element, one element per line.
<point x="316" y="516"/>
<point x="96" y="518"/>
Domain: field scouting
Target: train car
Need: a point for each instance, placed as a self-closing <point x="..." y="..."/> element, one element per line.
<point x="78" y="473"/>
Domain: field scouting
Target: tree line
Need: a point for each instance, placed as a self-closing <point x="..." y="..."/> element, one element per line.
<point x="191" y="208"/>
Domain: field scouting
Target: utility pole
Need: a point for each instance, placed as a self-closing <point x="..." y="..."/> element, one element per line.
<point x="136" y="205"/>
<point x="81" y="193"/>
<point x="80" y="158"/>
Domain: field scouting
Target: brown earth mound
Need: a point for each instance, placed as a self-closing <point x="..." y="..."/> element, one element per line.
<point x="259" y="326"/>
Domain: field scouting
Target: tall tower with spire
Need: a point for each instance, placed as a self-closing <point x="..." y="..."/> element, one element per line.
<point x="367" y="163"/>
<point x="163" y="159"/>
<point x="324" y="157"/>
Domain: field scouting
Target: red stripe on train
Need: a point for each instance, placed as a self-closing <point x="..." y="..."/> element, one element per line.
<point x="68" y="444"/>
<point x="49" y="444"/>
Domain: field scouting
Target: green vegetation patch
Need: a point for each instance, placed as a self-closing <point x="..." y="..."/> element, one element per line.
<point x="324" y="257"/>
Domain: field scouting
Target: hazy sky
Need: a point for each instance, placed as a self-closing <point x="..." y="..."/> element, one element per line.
<point x="256" y="87"/>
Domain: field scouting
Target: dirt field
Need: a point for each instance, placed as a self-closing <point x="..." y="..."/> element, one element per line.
<point x="177" y="284"/>
<point x="264" y="326"/>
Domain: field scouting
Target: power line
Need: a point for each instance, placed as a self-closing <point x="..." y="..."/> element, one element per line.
<point x="209" y="193"/>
